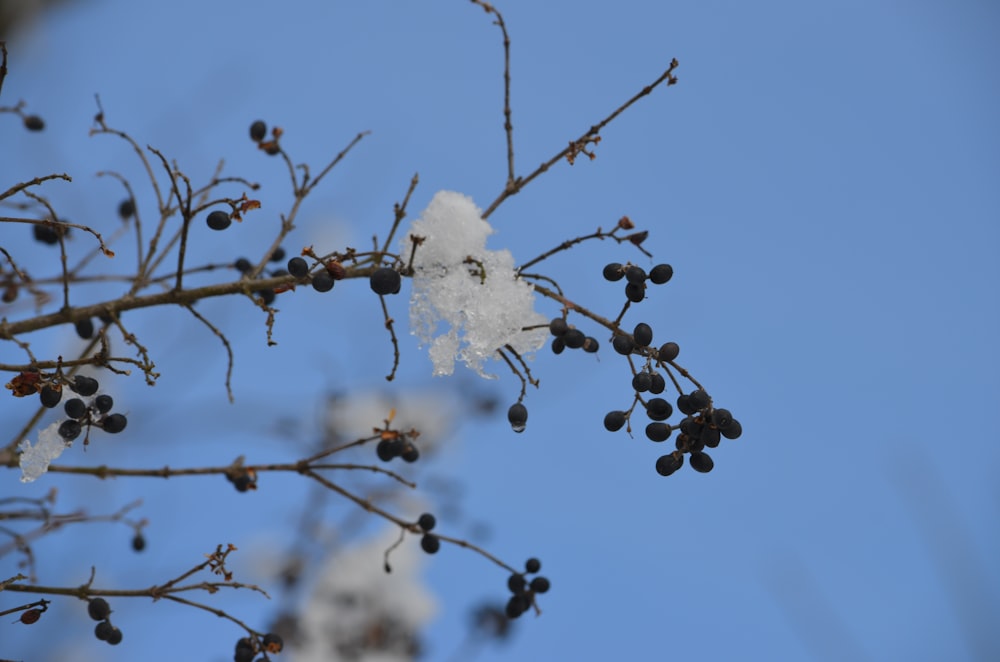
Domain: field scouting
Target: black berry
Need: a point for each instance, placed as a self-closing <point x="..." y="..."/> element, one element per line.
<point x="427" y="522"/>
<point x="701" y="462"/>
<point x="540" y="585"/>
<point x="51" y="396"/>
<point x="558" y="345"/>
<point x="430" y="543"/>
<point x="243" y="265"/>
<point x="114" y="423"/>
<point x="385" y="281"/>
<point x="126" y="209"/>
<point x="103" y="403"/>
<point x="613" y="272"/>
<point x="668" y="351"/>
<point x="115" y="636"/>
<point x="85" y="328"/>
<point x="661" y="273"/>
<point x="75" y="408"/>
<point x="258" y="130"/>
<point x="99" y="609"/>
<point x="34" y="123"/>
<point x="590" y="345"/>
<point x="642" y="381"/>
<point x="643" y="334"/>
<point x="614" y="420"/>
<point x="532" y="565"/>
<point x="658" y="409"/>
<point x="733" y="430"/>
<point x="558" y="326"/>
<point x="516" y="583"/>
<point x="85" y="386"/>
<point x="103" y="630"/>
<point x="668" y="464"/>
<point x="70" y="430"/>
<point x="657" y="383"/>
<point x="322" y="281"/>
<point x="635" y="292"/>
<point x="623" y="344"/>
<point x="298" y="267"/>
<point x="658" y="431"/>
<point x="278" y="255"/>
<point x="218" y="220"/>
<point x="574" y="338"/>
<point x="273" y="643"/>
<point x="699" y="399"/>
<point x="138" y="542"/>
<point x="518" y="416"/>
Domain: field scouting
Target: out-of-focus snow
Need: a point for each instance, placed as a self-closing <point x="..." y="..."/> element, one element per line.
<point x="35" y="459"/>
<point x="466" y="301"/>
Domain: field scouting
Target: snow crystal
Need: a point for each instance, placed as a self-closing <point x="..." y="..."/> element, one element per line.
<point x="467" y="301"/>
<point x="35" y="459"/>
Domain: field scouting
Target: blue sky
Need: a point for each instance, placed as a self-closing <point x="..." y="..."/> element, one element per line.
<point x="824" y="181"/>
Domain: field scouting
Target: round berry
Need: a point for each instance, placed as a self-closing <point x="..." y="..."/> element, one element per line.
<point x="658" y="431"/>
<point x="258" y="130"/>
<point x="85" y="386"/>
<point x="243" y="654"/>
<point x="410" y="454"/>
<point x="643" y="334"/>
<point x="658" y="409"/>
<point x="517" y="605"/>
<point x="668" y="464"/>
<point x="710" y="436"/>
<point x="701" y="462"/>
<point x="430" y="543"/>
<point x="114" y="423"/>
<point x="385" y="281"/>
<point x="623" y="344"/>
<point x="684" y="404"/>
<point x="273" y="643"/>
<point x="516" y="583"/>
<point x="75" y="408"/>
<point x="298" y="267"/>
<point x="635" y="275"/>
<point x="668" y="351"/>
<point x="85" y="328"/>
<point x="614" y="420"/>
<point x="613" y="272"/>
<point x="540" y="585"/>
<point x="427" y="522"/>
<point x="322" y="281"/>
<point x="635" y="292"/>
<point x="657" y="383"/>
<point x="642" y="381"/>
<point x="733" y="430"/>
<point x="532" y="565"/>
<point x="721" y="417"/>
<point x="574" y="338"/>
<point x="138" y="542"/>
<point x="385" y="450"/>
<point x="590" y="345"/>
<point x="558" y="345"/>
<point x="243" y="265"/>
<point x="517" y="415"/>
<point x="34" y="123"/>
<point x="31" y="616"/>
<point x="103" y="630"/>
<point x="114" y="637"/>
<point x="558" y="326"/>
<point x="51" y="396"/>
<point x="661" y="273"/>
<point x="99" y="609"/>
<point x="70" y="430"/>
<point x="699" y="399"/>
<point x="126" y="209"/>
<point x="103" y="403"/>
<point x="219" y="220"/>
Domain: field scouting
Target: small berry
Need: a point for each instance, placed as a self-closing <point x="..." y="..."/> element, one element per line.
<point x="114" y="637"/>
<point x="99" y="609"/>
<point x="243" y="265"/>
<point x="138" y="542"/>
<point x="684" y="404"/>
<point x="516" y="583"/>
<point x="385" y="281"/>
<point x="658" y="384"/>
<point x="614" y="420"/>
<point x="258" y="130"/>
<point x="273" y="643"/>
<point x="590" y="345"/>
<point x="430" y="543"/>
<point x="623" y="344"/>
<point x="643" y="334"/>
<point x="75" y="408"/>
<point x="103" y="630"/>
<point x="658" y="431"/>
<point x="658" y="409"/>
<point x="103" y="403"/>
<point x="540" y="585"/>
<point x="70" y="430"/>
<point x="710" y="436"/>
<point x="114" y="423"/>
<point x="31" y="616"/>
<point x="532" y="565"/>
<point x="517" y="605"/>
<point x="668" y="464"/>
<point x="699" y="399"/>
<point x="385" y="450"/>
<point x="85" y="328"/>
<point x="721" y="417"/>
<point x="613" y="272"/>
<point x="243" y="654"/>
<point x="410" y="454"/>
<point x="427" y="522"/>
<point x="635" y="275"/>
<point x="660" y="274"/>
<point x="322" y="281"/>
<point x="733" y="430"/>
<point x="218" y="220"/>
<point x="701" y="462"/>
<point x="34" y="123"/>
<point x="558" y="345"/>
<point x="51" y="396"/>
<point x="517" y="415"/>
<point x="642" y="381"/>
<point x="85" y="386"/>
<point x="558" y="326"/>
<point x="298" y="267"/>
<point x="574" y="338"/>
<point x="278" y="255"/>
<point x="126" y="209"/>
<point x="635" y="292"/>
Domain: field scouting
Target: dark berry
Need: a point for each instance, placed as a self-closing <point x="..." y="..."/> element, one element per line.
<point x="668" y="464"/>
<point x="85" y="386"/>
<point x="75" y="408"/>
<point x="385" y="281"/>
<point x="635" y="292"/>
<point x="623" y="344"/>
<point x="657" y="383"/>
<point x="699" y="399"/>
<point x="661" y="273"/>
<point x="558" y="345"/>
<point x="733" y="430"/>
<point x="430" y="543"/>
<point x="517" y="605"/>
<point x="243" y="265"/>
<point x="701" y="462"/>
<point x="517" y="415"/>
<point x="658" y="431"/>
<point x="70" y="430"/>
<point x="273" y="643"/>
<point x="103" y="630"/>
<point x="410" y="454"/>
<point x="669" y="351"/>
<point x="218" y="220"/>
<point x="49" y="233"/>
<point x="540" y="585"/>
<point x="532" y="565"/>
<point x="590" y="345"/>
<point x="558" y="326"/>
<point x="85" y="328"/>
<point x="322" y="281"/>
<point x="298" y="267"/>
<point x="34" y="123"/>
<point x="614" y="420"/>
<point x="658" y="409"/>
<point x="114" y="423"/>
<point x="516" y="583"/>
<point x="643" y="334"/>
<point x="114" y="637"/>
<point x="710" y="436"/>
<point x="427" y="522"/>
<point x="721" y="417"/>
<point x="642" y="381"/>
<point x="267" y="295"/>
<point x="126" y="209"/>
<point x="684" y="404"/>
<point x="385" y="450"/>
<point x="243" y="655"/>
<point x="99" y="609"/>
<point x="278" y="255"/>
<point x="138" y="542"/>
<point x="51" y="396"/>
<point x="574" y="338"/>
<point x="613" y="272"/>
<point x="258" y="130"/>
<point x="635" y="275"/>
<point x="103" y="403"/>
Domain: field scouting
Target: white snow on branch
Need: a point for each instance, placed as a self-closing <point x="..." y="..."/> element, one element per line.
<point x="466" y="301"/>
<point x="35" y="459"/>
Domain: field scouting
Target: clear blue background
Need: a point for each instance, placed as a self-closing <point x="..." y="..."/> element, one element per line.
<point x="825" y="180"/>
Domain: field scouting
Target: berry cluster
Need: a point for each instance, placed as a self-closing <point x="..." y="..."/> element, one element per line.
<point x="429" y="542"/>
<point x="569" y="336"/>
<point x="99" y="610"/>
<point x="246" y="647"/>
<point x="267" y="294"/>
<point x="636" y="277"/>
<point x="523" y="591"/>
<point x="80" y="413"/>
<point x="396" y="444"/>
